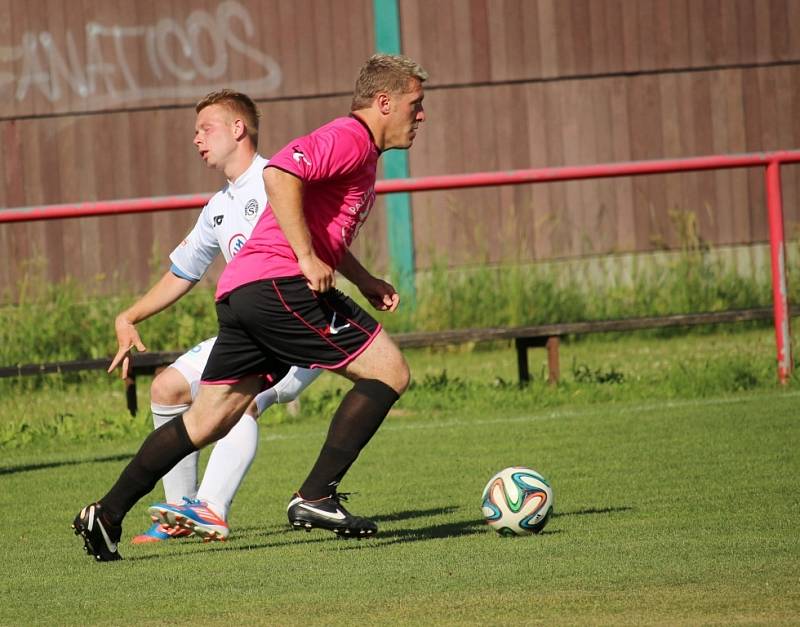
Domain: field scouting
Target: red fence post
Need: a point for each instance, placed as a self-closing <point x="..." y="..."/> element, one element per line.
<point x="780" y="301"/>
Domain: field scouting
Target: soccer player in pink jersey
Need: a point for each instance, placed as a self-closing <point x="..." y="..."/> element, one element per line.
<point x="226" y="138"/>
<point x="277" y="306"/>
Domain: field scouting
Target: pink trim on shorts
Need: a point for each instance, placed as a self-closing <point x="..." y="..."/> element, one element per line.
<point x="267" y="377"/>
<point x="354" y="355"/>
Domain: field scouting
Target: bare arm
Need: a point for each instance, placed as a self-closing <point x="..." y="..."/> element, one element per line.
<point x="378" y="292"/>
<point x="165" y="292"/>
<point x="285" y="193"/>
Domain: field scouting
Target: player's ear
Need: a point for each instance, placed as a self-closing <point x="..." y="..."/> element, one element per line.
<point x="384" y="102"/>
<point x="239" y="128"/>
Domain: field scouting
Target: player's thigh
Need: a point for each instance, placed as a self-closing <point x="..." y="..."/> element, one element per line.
<point x="381" y="360"/>
<point x="218" y="407"/>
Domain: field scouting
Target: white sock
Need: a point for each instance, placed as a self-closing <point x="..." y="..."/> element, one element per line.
<point x="228" y="464"/>
<point x="287" y="389"/>
<point x="182" y="479"/>
<point x="266" y="399"/>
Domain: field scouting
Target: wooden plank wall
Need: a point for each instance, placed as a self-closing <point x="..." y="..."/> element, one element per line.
<point x="97" y="103"/>
<point x="129" y="133"/>
<point x="519" y="84"/>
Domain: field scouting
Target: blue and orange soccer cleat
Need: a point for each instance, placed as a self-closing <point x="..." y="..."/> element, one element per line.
<point x="192" y="515"/>
<point x="158" y="533"/>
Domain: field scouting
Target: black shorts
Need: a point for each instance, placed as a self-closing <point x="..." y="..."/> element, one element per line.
<point x="267" y="326"/>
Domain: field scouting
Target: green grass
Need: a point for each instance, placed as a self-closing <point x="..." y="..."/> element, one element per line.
<point x="673" y="460"/>
<point x="595" y="369"/>
<point x="668" y="512"/>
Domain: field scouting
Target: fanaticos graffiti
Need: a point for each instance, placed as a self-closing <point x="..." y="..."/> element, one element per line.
<point x="175" y="58"/>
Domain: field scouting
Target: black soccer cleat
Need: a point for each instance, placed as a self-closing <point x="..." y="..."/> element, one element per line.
<point x="328" y="513"/>
<point x="100" y="538"/>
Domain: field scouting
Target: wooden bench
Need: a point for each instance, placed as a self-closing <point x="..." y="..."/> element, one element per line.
<point x="544" y="335"/>
<point x="549" y="335"/>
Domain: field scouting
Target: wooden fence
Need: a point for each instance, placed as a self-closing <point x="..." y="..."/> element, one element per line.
<point x="97" y="104"/>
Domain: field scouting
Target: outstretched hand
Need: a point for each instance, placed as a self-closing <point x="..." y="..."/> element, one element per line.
<point x="127" y="339"/>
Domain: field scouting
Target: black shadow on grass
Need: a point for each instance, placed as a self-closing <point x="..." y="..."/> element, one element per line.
<point x="434" y="532"/>
<point x="235" y="545"/>
<point x="320" y="536"/>
<point x="384" y="538"/>
<point x="404" y="515"/>
<point x="420" y="513"/>
<point x="470" y="527"/>
<point x="590" y="511"/>
<point x="10" y="470"/>
<point x="331" y="542"/>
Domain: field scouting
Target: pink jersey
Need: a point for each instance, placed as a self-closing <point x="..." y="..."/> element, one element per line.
<point x="337" y="164"/>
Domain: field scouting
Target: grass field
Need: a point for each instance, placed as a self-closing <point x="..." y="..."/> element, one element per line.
<point x="668" y="511"/>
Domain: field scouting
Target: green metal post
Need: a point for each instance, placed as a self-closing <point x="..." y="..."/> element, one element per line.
<point x="400" y="231"/>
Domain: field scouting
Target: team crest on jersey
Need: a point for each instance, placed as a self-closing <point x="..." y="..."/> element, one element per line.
<point x="235" y="244"/>
<point x="251" y="210"/>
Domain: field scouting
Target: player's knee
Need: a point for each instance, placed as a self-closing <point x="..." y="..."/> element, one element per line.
<point x="406" y="380"/>
<point x="169" y="390"/>
<point x="400" y="375"/>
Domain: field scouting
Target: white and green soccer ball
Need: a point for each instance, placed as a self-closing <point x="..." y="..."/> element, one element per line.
<point x="517" y="501"/>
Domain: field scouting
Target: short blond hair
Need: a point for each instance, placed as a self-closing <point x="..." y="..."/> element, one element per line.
<point x="391" y="73"/>
<point x="239" y="104"/>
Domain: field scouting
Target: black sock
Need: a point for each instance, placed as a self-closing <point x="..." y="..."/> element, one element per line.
<point x="356" y="420"/>
<point x="160" y="451"/>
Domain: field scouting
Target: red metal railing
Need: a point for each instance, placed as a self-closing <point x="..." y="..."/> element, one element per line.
<point x="770" y="161"/>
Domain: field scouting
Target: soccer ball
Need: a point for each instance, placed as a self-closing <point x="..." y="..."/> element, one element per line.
<point x="517" y="501"/>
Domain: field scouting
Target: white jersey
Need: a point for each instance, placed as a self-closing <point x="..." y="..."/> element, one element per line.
<point x="225" y="223"/>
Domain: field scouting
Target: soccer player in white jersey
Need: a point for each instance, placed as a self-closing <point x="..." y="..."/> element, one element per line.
<point x="226" y="136"/>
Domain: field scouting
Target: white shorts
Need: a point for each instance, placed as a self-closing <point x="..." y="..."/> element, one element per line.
<point x="192" y="363"/>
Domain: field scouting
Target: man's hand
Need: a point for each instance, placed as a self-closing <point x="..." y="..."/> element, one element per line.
<point x="127" y="339"/>
<point x="168" y="290"/>
<point x="319" y="274"/>
<point x="380" y="294"/>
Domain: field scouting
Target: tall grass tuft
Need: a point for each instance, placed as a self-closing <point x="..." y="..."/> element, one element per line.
<point x="692" y="282"/>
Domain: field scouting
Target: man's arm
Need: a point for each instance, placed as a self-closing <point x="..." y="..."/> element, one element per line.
<point x="169" y="289"/>
<point x="285" y="193"/>
<point x="379" y="293"/>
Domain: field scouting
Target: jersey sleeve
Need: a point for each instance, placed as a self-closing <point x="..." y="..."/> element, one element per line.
<point x="328" y="152"/>
<point x="194" y="254"/>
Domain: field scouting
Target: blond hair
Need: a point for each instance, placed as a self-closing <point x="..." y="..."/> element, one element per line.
<point x="391" y="73"/>
<point x="239" y="104"/>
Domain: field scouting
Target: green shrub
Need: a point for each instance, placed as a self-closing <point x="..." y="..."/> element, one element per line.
<point x="69" y="321"/>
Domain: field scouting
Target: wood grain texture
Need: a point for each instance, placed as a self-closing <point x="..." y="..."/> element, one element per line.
<point x="514" y="84"/>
